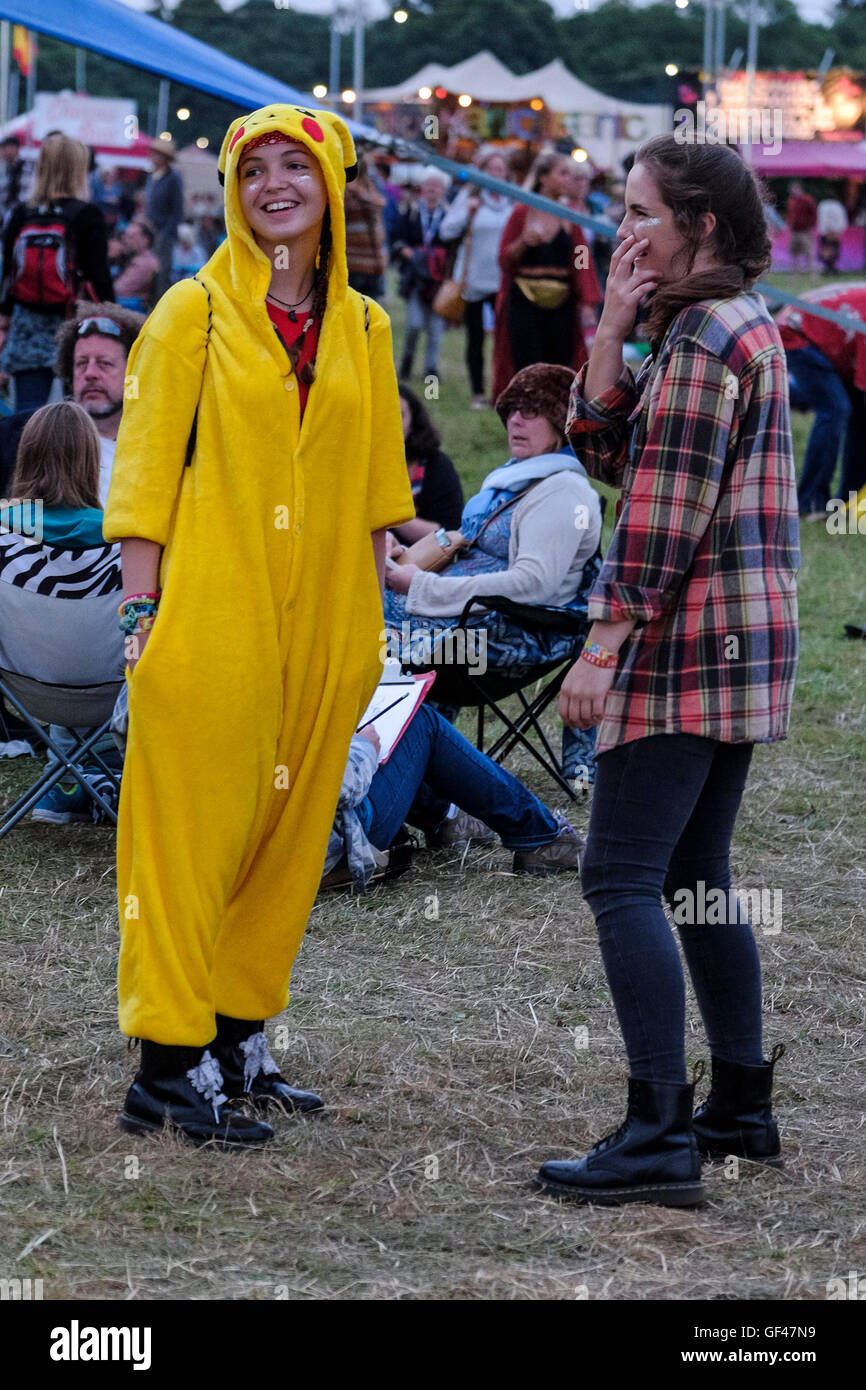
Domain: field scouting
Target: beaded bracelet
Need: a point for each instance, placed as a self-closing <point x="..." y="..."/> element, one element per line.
<point x="597" y="655"/>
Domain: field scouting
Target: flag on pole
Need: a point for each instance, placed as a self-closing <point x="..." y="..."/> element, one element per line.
<point x="23" y="48"/>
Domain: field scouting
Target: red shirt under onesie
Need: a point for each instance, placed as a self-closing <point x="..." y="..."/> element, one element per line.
<point x="289" y="331"/>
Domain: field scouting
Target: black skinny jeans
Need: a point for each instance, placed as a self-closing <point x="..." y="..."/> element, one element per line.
<point x="663" y="815"/>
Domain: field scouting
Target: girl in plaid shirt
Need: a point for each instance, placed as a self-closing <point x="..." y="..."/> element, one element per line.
<point x="690" y="661"/>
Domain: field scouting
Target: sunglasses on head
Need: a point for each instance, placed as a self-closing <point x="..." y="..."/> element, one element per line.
<point x="98" y="325"/>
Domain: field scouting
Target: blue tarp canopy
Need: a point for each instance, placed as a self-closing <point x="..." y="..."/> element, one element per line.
<point x="111" y="28"/>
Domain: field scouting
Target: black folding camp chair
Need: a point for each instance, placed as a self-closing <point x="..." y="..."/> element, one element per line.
<point x="73" y="708"/>
<point x="454" y="686"/>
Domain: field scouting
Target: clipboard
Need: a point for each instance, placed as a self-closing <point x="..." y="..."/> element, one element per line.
<point x="394" y="704"/>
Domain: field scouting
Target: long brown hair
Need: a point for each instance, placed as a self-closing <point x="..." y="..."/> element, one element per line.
<point x="58" y="458"/>
<point x="694" y="179"/>
<point x="542" y="167"/>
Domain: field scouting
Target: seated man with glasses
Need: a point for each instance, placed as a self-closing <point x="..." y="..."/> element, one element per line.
<point x="92" y="348"/>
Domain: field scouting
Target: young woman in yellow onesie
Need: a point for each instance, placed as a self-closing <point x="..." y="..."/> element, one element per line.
<point x="259" y="462"/>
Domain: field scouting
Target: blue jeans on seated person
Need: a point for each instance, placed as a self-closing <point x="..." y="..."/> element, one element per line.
<point x="432" y="766"/>
<point x="509" y="650"/>
<point x="105" y="747"/>
<point x="662" y="819"/>
<point x="817" y="386"/>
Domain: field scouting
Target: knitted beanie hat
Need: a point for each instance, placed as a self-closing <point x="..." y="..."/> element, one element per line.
<point x="544" y="387"/>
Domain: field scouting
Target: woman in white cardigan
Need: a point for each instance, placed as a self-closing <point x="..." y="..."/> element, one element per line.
<point x="534" y="530"/>
<point x="478" y="216"/>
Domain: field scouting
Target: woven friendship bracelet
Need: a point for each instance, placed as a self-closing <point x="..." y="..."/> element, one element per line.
<point x="136" y="610"/>
<point x="145" y="623"/>
<point x="145" y="598"/>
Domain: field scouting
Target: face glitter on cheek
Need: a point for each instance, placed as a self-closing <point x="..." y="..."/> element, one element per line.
<point x="647" y="222"/>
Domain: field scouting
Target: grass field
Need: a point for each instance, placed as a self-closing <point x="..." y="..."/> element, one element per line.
<point x="459" y="1025"/>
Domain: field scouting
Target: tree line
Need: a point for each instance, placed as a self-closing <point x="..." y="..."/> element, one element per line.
<point x="619" y="48"/>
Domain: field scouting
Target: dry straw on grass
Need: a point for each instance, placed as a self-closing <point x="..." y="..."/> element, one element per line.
<point x="450" y="1049"/>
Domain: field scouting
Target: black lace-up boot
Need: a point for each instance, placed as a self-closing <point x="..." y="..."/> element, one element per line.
<point x="250" y="1071"/>
<point x="652" y="1157"/>
<point x="737" y="1116"/>
<point x="183" y="1087"/>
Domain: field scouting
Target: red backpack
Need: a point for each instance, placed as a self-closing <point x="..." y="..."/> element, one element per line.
<point x="44" y="274"/>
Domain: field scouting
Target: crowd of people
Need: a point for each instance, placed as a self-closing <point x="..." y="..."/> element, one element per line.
<point x="76" y="230"/>
<point x="163" y="505"/>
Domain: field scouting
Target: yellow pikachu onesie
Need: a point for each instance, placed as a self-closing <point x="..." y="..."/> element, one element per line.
<point x="265" y="649"/>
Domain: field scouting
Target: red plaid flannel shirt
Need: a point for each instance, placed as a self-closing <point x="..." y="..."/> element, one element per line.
<point x="706" y="548"/>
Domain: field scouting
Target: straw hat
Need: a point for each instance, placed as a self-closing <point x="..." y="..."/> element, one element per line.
<point x="166" y="147"/>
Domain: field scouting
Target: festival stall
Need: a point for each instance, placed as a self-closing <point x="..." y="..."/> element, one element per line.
<point x="481" y="100"/>
<point x="817" y="131"/>
<point x="107" y="124"/>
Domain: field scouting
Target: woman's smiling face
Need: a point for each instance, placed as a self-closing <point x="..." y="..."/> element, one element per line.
<point x="647" y="216"/>
<point x="282" y="191"/>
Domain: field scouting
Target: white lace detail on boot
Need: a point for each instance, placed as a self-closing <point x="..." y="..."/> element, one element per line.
<point x="208" y="1081"/>
<point x="257" y="1058"/>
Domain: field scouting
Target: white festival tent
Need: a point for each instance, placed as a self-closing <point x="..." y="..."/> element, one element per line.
<point x="606" y="127"/>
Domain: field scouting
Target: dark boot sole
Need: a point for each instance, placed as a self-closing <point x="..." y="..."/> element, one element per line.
<point x="547" y="873"/>
<point x="671" y="1194"/>
<point x="266" y="1107"/>
<point x="262" y="1105"/>
<point x="719" y="1156"/>
<point x="132" y="1125"/>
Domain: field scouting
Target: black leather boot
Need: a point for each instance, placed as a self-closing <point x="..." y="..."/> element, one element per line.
<point x="183" y="1087"/>
<point x="250" y="1071"/>
<point x="652" y="1157"/>
<point x="737" y="1116"/>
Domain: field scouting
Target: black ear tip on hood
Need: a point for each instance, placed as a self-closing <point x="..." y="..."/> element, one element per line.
<point x="222" y="178"/>
<point x="352" y="172"/>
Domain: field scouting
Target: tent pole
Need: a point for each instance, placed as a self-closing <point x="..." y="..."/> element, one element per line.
<point x="5" y="53"/>
<point x="334" y="67"/>
<point x="751" y="65"/>
<point x="80" y="70"/>
<point x="719" y="62"/>
<point x="162" y="107"/>
<point x="358" y="61"/>
<point x="31" y="76"/>
<point x="707" y="74"/>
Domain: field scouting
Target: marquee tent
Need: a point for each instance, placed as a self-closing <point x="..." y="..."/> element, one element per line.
<point x="483" y="77"/>
<point x="606" y="127"/>
<point x="106" y="124"/>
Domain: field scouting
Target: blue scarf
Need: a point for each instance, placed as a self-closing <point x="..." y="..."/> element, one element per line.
<point x="509" y="481"/>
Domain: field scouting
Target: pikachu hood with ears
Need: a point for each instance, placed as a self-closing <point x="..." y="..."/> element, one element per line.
<point x="328" y="139"/>
<point x="267" y="644"/>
